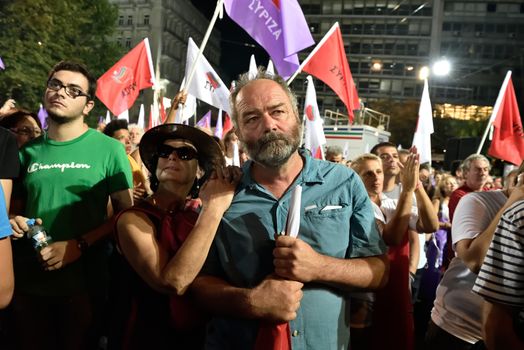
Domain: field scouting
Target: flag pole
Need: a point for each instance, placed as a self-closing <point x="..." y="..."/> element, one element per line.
<point x="150" y="62"/>
<point x="218" y="12"/>
<point x="495" y="109"/>
<point x="312" y="53"/>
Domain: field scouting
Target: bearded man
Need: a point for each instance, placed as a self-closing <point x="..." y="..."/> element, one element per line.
<point x="256" y="276"/>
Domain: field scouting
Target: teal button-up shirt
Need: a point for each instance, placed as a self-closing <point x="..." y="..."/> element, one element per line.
<point x="336" y="220"/>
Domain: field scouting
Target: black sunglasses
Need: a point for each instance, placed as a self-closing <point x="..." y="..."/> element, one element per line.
<point x="183" y="153"/>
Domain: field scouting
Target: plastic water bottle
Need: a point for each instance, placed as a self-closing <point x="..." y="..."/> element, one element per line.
<point x="38" y="235"/>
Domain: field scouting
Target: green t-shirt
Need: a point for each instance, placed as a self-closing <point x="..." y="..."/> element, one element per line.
<point x="67" y="184"/>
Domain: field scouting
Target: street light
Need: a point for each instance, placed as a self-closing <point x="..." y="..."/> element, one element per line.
<point x="442" y="67"/>
<point x="376" y="66"/>
<point x="423" y="73"/>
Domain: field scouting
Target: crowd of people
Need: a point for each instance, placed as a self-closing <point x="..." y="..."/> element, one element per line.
<point x="157" y="241"/>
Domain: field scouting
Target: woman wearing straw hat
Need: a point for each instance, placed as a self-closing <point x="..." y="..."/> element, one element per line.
<point x="164" y="243"/>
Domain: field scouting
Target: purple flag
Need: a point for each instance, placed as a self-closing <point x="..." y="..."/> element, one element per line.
<point x="2" y="65"/>
<point x="205" y="122"/>
<point x="42" y="116"/>
<point x="278" y="26"/>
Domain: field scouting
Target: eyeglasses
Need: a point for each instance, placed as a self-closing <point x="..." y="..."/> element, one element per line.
<point x="71" y="90"/>
<point x="27" y="131"/>
<point x="183" y="153"/>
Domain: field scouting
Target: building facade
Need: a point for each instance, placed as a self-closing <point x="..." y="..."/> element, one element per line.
<point x="168" y="24"/>
<point x="388" y="42"/>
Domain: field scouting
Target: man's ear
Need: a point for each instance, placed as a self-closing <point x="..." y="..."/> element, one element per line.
<point x="88" y="107"/>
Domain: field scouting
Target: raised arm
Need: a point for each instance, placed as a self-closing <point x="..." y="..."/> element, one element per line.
<point x="138" y="242"/>
<point x="180" y="98"/>
<point x="397" y="225"/>
<point x="427" y="216"/>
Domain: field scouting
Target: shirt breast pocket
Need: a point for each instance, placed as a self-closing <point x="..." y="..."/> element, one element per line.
<point x="327" y="229"/>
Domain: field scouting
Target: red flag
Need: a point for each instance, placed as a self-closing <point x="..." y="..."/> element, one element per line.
<point x="228" y="125"/>
<point x="118" y="87"/>
<point x="508" y="142"/>
<point x="328" y="62"/>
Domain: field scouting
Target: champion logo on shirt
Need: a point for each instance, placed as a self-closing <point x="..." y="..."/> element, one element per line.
<point x="34" y="167"/>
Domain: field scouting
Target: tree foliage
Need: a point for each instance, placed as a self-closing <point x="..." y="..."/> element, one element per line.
<point x="36" y="34"/>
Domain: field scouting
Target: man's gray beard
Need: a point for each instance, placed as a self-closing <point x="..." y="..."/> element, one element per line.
<point x="62" y="120"/>
<point x="274" y="149"/>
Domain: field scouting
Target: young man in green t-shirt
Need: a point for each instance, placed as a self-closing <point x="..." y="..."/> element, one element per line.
<point x="67" y="177"/>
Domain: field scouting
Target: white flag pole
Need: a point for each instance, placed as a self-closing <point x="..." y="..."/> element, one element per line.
<point x="218" y="11"/>
<point x="150" y="61"/>
<point x="495" y="110"/>
<point x="319" y="45"/>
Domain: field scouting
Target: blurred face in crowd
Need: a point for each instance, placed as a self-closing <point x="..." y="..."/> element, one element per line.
<point x="448" y="185"/>
<point x="66" y="99"/>
<point x="335" y="158"/>
<point x="424" y="175"/>
<point x="372" y="175"/>
<point x="268" y="126"/>
<point x="390" y="160"/>
<point x="122" y="136"/>
<point x="135" y="134"/>
<point x="489" y="183"/>
<point x="26" y="130"/>
<point x="231" y="140"/>
<point x="477" y="174"/>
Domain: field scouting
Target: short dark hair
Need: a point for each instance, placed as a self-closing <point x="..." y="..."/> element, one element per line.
<point x="114" y="126"/>
<point x="10" y="120"/>
<point x="375" y="148"/>
<point x="79" y="68"/>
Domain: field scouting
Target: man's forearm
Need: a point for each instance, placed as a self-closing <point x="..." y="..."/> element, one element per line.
<point x="367" y="273"/>
<point x="428" y="219"/>
<point x="221" y="298"/>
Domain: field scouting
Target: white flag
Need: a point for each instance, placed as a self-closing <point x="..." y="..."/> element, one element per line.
<point x="293" y="215"/>
<point x="166" y="102"/>
<point x="270" y="69"/>
<point x="141" y="117"/>
<point x="124" y="115"/>
<point x="236" y="155"/>
<point x="108" y="117"/>
<point x="314" y="132"/>
<point x="252" y="67"/>
<point x="422" y="137"/>
<point x="206" y="85"/>
<point x="219" y="128"/>
<point x="187" y="110"/>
